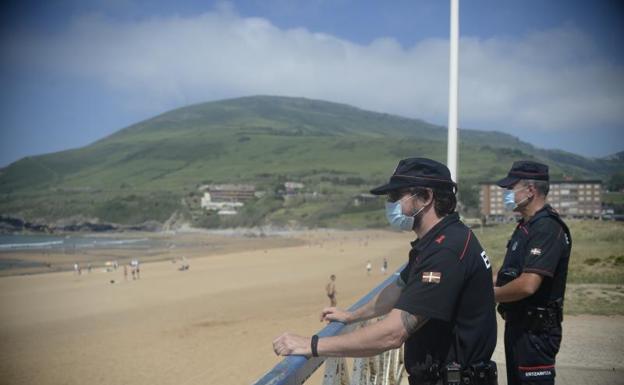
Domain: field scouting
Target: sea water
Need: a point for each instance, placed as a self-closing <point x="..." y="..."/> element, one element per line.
<point x="12" y="242"/>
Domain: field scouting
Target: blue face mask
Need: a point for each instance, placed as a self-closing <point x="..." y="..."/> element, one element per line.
<point x="509" y="199"/>
<point x="396" y="218"/>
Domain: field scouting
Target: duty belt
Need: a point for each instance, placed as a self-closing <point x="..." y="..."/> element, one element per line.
<point x="453" y="374"/>
<point x="535" y="318"/>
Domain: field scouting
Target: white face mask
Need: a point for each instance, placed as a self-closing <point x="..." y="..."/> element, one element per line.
<point x="396" y="218"/>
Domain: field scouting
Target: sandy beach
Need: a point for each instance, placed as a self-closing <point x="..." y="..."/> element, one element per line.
<point x="214" y="323"/>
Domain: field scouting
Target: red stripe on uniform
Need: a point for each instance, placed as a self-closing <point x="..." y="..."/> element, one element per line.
<point x="540" y="272"/>
<point x="466" y="245"/>
<point x="535" y="367"/>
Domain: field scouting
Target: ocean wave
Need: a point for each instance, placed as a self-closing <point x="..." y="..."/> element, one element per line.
<point x="118" y="242"/>
<point x="30" y="245"/>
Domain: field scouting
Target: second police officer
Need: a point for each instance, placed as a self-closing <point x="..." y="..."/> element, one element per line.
<point x="530" y="285"/>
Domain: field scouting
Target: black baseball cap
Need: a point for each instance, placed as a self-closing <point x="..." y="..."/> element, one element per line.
<point x="417" y="172"/>
<point x="524" y="169"/>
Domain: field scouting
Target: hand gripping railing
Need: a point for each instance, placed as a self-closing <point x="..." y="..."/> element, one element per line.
<point x="385" y="368"/>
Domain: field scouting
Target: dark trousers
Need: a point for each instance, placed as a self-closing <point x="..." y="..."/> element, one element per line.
<point x="530" y="355"/>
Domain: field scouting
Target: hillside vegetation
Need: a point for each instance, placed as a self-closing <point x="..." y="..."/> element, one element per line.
<point x="152" y="169"/>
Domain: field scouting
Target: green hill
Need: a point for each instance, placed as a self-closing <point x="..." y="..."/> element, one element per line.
<point x="152" y="169"/>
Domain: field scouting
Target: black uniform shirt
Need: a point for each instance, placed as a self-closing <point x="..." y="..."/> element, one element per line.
<point x="449" y="280"/>
<point x="542" y="246"/>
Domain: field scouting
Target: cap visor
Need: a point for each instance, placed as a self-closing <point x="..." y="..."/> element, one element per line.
<point x="386" y="188"/>
<point x="382" y="190"/>
<point x="507" y="182"/>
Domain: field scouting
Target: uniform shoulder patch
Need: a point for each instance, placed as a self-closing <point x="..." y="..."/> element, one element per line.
<point x="431" y="277"/>
<point x="536" y="251"/>
<point x="440" y="239"/>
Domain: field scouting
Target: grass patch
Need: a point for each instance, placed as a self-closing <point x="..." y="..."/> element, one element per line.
<point x="613" y="198"/>
<point x="592" y="261"/>
<point x="594" y="299"/>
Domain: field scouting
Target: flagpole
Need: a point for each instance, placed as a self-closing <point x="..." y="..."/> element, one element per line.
<point x="453" y="90"/>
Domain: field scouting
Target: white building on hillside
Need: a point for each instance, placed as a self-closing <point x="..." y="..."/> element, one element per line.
<point x="222" y="208"/>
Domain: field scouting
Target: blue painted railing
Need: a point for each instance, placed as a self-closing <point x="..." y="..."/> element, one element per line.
<point x="295" y="370"/>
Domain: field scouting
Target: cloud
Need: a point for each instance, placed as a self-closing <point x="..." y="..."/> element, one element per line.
<point x="553" y="80"/>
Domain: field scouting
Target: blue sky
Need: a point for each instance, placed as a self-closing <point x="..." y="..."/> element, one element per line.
<point x="548" y="72"/>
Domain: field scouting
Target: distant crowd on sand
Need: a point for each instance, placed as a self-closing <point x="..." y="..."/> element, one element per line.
<point x="133" y="267"/>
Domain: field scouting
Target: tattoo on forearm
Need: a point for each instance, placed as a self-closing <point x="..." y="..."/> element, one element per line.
<point x="411" y="322"/>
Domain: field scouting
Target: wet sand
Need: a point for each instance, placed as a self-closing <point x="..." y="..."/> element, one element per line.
<point x="214" y="323"/>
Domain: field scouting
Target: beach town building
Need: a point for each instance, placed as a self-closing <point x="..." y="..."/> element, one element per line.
<point x="229" y="192"/>
<point x="226" y="198"/>
<point x="222" y="208"/>
<point x="571" y="198"/>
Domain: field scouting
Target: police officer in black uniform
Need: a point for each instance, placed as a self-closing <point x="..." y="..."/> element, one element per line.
<point x="442" y="305"/>
<point x="530" y="285"/>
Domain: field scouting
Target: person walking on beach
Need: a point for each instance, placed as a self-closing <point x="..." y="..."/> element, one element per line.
<point x="384" y="266"/>
<point x="134" y="266"/>
<point x="530" y="285"/>
<point x="330" y="289"/>
<point x="369" y="267"/>
<point x="184" y="265"/>
<point x="442" y="304"/>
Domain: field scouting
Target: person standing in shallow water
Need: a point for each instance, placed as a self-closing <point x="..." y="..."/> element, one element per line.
<point x="330" y="289"/>
<point x="442" y="304"/>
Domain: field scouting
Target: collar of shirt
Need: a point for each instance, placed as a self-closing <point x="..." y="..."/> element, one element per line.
<point x="421" y="244"/>
<point x="535" y="216"/>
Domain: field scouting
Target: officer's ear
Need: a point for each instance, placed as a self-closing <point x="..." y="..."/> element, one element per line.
<point x="429" y="197"/>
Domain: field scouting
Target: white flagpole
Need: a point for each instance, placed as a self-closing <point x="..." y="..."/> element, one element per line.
<point x="453" y="90"/>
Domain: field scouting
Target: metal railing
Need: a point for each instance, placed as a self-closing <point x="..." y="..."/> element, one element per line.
<point x="383" y="369"/>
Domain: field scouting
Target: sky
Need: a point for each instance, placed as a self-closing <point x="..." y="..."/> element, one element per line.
<point x="548" y="72"/>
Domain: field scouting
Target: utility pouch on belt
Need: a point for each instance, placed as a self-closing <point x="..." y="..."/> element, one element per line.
<point x="452" y="374"/>
<point x="542" y="318"/>
<point x="483" y="373"/>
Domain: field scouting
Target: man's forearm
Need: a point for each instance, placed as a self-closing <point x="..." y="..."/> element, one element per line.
<point x="523" y="286"/>
<point x="367" y="341"/>
<point x="380" y="305"/>
<point x="370" y="340"/>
